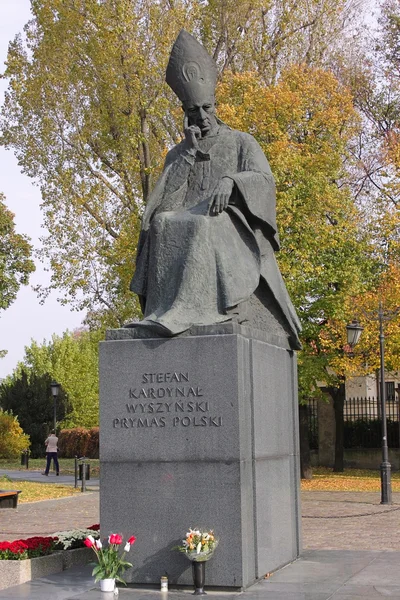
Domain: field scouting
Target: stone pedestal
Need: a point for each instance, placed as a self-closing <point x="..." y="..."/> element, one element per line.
<point x="200" y="431"/>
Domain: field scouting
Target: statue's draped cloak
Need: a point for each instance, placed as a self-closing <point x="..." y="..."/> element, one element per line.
<point x="193" y="267"/>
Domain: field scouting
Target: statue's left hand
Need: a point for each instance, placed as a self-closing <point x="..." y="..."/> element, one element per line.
<point x="221" y="196"/>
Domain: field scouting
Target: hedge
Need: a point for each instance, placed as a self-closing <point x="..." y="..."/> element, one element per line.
<point x="79" y="442"/>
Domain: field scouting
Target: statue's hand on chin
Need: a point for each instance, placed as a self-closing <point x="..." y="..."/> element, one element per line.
<point x="192" y="134"/>
<point x="220" y="197"/>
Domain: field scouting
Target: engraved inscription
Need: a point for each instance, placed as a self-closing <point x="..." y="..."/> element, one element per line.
<point x="169" y="392"/>
<point x="161" y="405"/>
<point x="128" y="423"/>
<point x="164" y="377"/>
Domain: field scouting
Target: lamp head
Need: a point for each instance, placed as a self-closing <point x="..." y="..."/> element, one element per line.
<point x="354" y="331"/>
<point x="55" y="388"/>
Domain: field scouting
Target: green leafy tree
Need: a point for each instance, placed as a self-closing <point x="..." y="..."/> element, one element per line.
<point x="15" y="262"/>
<point x="92" y="135"/>
<point x="12" y="438"/>
<point x="28" y="396"/>
<point x="72" y="360"/>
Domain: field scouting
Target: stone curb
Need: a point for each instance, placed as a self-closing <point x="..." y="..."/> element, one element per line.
<point x="15" y="572"/>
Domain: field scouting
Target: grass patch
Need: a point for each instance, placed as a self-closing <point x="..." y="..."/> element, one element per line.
<point x="32" y="492"/>
<point x="67" y="465"/>
<point x="351" y="480"/>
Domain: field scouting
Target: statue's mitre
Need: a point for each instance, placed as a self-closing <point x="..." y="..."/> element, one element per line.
<point x="191" y="72"/>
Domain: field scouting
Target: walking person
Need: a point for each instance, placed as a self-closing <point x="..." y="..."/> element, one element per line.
<point x="51" y="452"/>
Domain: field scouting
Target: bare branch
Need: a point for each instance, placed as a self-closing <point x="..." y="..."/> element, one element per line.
<point x="145" y="164"/>
<point x="100" y="221"/>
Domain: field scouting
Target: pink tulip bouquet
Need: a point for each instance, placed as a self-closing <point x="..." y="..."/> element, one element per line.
<point x="110" y="564"/>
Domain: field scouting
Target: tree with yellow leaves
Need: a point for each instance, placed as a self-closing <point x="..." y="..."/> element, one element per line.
<point x="304" y="125"/>
<point x="12" y="439"/>
<point x="89" y="115"/>
<point x="90" y="118"/>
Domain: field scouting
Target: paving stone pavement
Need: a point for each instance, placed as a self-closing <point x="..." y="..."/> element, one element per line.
<point x="48" y="516"/>
<point x="331" y="520"/>
<point x="349" y="540"/>
<point x="350" y="521"/>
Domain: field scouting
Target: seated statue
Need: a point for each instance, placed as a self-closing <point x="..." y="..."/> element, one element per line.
<point x="206" y="252"/>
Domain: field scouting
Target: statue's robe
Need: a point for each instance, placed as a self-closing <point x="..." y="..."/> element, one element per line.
<point x="193" y="268"/>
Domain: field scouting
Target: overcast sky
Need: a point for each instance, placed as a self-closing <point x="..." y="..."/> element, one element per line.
<point x="26" y="319"/>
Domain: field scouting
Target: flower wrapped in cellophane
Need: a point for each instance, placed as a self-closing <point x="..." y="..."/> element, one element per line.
<point x="198" y="545"/>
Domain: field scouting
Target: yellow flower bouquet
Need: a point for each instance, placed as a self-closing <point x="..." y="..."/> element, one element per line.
<point x="198" y="545"/>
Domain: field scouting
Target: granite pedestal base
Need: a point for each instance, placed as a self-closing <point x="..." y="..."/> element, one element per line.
<point x="200" y="431"/>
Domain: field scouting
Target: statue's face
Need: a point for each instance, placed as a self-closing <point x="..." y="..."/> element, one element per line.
<point x="202" y="114"/>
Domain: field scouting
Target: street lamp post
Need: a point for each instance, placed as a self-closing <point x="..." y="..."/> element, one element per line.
<point x="386" y="485"/>
<point x="354" y="331"/>
<point x="55" y="389"/>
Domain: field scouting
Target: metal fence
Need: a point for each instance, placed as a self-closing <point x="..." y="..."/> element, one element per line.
<point x="312" y="412"/>
<point x="362" y="423"/>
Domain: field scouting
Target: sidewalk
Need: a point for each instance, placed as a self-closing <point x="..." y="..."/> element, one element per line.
<point x="37" y="477"/>
<point x="351" y="551"/>
<point x="331" y="520"/>
<point x="318" y="575"/>
<point x="48" y="516"/>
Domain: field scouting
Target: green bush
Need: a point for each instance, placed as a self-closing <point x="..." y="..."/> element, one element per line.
<point x="79" y="442"/>
<point x="12" y="438"/>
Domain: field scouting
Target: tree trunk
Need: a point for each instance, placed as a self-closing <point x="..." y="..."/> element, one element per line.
<point x="305" y="458"/>
<point x="338" y="395"/>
